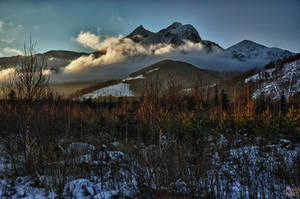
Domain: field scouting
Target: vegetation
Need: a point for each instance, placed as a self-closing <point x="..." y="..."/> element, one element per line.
<point x="173" y="144"/>
<point x="184" y="125"/>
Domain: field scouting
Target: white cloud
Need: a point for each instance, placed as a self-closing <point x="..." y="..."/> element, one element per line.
<point x="119" y="19"/>
<point x="8" y="41"/>
<point x="36" y="27"/>
<point x="88" y="39"/>
<point x="118" y="49"/>
<point x="13" y="51"/>
<point x="1" y="25"/>
<point x="6" y="74"/>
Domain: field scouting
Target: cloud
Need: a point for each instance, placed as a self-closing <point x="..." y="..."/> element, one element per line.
<point x="36" y="27"/>
<point x="1" y="25"/>
<point x="88" y="39"/>
<point x="116" y="57"/>
<point x="6" y="74"/>
<point x="8" y="41"/>
<point x="118" y="49"/>
<point x="13" y="51"/>
<point x="119" y="19"/>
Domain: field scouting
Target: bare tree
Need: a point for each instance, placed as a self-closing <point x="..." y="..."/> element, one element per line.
<point x="31" y="81"/>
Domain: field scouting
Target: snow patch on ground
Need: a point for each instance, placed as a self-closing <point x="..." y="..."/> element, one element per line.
<point x="133" y="78"/>
<point x="278" y="82"/>
<point x="243" y="168"/>
<point x="259" y="76"/>
<point x="117" y="90"/>
<point x="187" y="90"/>
<point x="152" y="70"/>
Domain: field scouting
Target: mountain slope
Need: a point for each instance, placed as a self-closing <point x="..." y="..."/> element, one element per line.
<point x="160" y="76"/>
<point x="175" y="34"/>
<point x="248" y="50"/>
<point x="55" y="59"/>
<point x="169" y="72"/>
<point x="139" y="34"/>
<point x="282" y="78"/>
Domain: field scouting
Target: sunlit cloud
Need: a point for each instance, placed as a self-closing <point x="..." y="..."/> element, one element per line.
<point x="118" y="49"/>
<point x="13" y="51"/>
<point x="6" y="74"/>
<point x="46" y="72"/>
<point x="88" y="39"/>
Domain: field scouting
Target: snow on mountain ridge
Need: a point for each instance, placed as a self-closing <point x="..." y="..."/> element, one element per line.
<point x="175" y="34"/>
<point x="247" y="50"/>
<point x="139" y="34"/>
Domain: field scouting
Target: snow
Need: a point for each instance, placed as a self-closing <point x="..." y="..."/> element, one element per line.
<point x="259" y="76"/>
<point x="117" y="90"/>
<point x="187" y="90"/>
<point x="152" y="70"/>
<point x="285" y="81"/>
<point x="133" y="78"/>
<point x="80" y="147"/>
<point x="236" y="168"/>
<point x="248" y="50"/>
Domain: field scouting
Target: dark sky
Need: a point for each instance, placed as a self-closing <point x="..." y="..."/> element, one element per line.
<point x="53" y="23"/>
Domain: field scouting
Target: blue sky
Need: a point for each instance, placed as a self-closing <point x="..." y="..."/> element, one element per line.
<point x="53" y="23"/>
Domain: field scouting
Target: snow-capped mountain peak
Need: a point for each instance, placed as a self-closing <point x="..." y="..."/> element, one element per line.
<point x="139" y="34"/>
<point x="174" y="25"/>
<point x="249" y="50"/>
<point x="175" y="34"/>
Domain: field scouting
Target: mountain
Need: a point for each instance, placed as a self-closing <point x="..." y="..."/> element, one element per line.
<point x="56" y="59"/>
<point x="277" y="79"/>
<point x="160" y="76"/>
<point x="248" y="50"/>
<point x="241" y="56"/>
<point x="139" y="34"/>
<point x="169" y="72"/>
<point x="176" y="34"/>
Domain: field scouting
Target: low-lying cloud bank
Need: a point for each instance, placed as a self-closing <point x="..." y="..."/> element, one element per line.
<point x="7" y="74"/>
<point x="119" y="49"/>
<point x="116" y="57"/>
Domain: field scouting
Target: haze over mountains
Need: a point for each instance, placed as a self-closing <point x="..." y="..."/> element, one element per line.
<point x="116" y="58"/>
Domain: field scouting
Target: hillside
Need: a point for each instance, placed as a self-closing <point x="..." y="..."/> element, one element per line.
<point x="168" y="72"/>
<point x="162" y="75"/>
<point x="56" y="59"/>
<point x="247" y="50"/>
<point x="281" y="78"/>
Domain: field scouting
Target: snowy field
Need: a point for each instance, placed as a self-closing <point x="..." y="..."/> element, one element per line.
<point x="237" y="170"/>
<point x="117" y="90"/>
